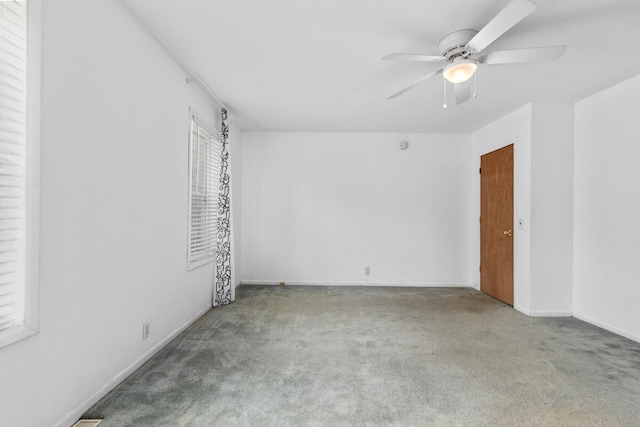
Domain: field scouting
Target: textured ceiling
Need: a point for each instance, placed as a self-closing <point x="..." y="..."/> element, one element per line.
<point x="314" y="65"/>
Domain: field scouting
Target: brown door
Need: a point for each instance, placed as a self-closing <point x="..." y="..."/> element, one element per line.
<point x="496" y="224"/>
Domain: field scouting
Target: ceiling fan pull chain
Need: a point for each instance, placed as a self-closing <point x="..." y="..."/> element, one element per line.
<point x="444" y="105"/>
<point x="475" y="85"/>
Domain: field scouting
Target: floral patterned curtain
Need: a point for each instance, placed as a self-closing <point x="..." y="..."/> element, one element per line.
<point x="222" y="291"/>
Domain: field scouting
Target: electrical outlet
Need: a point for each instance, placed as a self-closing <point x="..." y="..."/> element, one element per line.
<point x="145" y="330"/>
<point x="367" y="271"/>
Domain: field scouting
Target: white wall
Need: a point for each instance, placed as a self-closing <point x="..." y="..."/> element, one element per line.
<point x="114" y="205"/>
<point x="235" y="154"/>
<point x="319" y="207"/>
<point x="607" y="208"/>
<point x="514" y="128"/>
<point x="551" y="209"/>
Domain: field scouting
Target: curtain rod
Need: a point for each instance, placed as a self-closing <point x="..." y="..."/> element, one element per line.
<point x="195" y="77"/>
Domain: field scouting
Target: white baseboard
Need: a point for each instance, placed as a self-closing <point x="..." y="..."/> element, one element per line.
<point x="543" y="313"/>
<point x="608" y="327"/>
<point x="550" y="313"/>
<point x="393" y="284"/>
<point x="76" y="413"/>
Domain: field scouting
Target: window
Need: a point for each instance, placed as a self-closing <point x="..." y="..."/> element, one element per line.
<point x="19" y="170"/>
<point x="204" y="171"/>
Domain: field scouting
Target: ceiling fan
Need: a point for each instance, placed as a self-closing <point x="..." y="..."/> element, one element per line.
<point x="463" y="51"/>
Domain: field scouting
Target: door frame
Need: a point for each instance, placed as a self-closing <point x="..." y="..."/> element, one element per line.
<point x="521" y="209"/>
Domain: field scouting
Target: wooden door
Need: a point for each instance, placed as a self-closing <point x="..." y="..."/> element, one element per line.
<point x="496" y="224"/>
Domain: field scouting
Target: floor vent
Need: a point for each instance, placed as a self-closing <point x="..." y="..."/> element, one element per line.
<point x="87" y="423"/>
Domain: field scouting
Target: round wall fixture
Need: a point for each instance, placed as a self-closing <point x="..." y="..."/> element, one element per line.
<point x="404" y="145"/>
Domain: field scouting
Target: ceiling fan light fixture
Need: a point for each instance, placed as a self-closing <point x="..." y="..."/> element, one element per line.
<point x="460" y="70"/>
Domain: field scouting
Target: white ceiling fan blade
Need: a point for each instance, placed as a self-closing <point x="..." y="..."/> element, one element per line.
<point x="462" y="91"/>
<point x="414" y="84"/>
<point x="519" y="56"/>
<point x="414" y="57"/>
<point x="515" y="12"/>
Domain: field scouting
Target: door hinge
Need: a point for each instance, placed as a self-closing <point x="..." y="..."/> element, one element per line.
<point x="480" y="170"/>
<point x="480" y="219"/>
<point x="480" y="268"/>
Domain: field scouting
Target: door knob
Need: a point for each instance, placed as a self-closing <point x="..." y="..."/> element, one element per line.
<point x="508" y="232"/>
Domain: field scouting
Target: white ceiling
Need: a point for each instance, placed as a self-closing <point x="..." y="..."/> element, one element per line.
<point x="314" y="65"/>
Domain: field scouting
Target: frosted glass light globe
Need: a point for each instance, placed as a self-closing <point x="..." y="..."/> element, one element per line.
<point x="460" y="71"/>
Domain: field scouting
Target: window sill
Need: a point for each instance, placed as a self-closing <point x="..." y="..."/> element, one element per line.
<point x="199" y="263"/>
<point x="15" y="334"/>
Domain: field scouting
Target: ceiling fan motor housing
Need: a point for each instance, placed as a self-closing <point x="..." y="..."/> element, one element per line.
<point x="453" y="45"/>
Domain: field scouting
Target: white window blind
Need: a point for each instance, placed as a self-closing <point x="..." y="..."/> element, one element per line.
<point x="203" y="198"/>
<point x="13" y="76"/>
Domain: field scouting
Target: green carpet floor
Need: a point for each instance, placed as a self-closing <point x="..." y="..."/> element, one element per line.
<point x="351" y="356"/>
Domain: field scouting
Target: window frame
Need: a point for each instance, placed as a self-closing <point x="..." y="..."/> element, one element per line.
<point x="31" y="290"/>
<point x="197" y="119"/>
